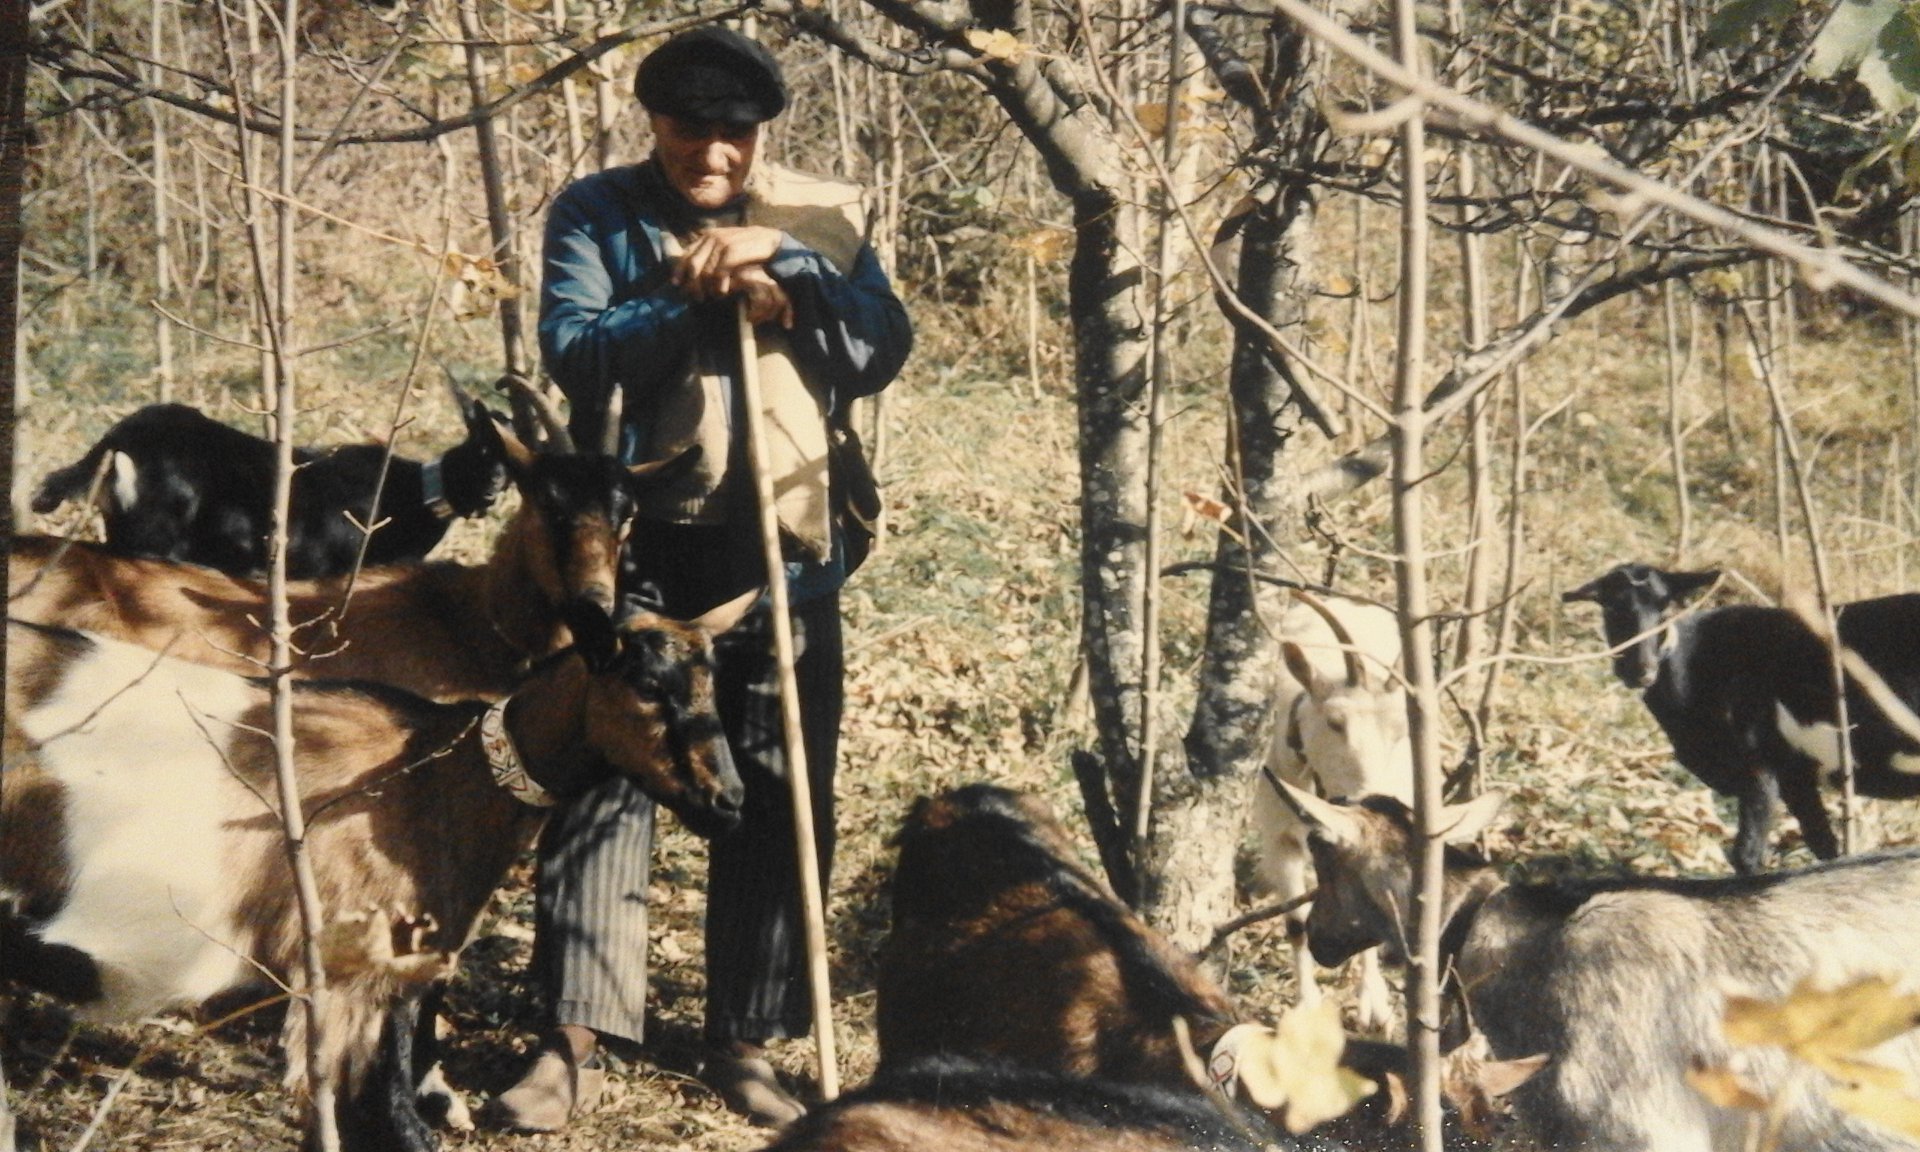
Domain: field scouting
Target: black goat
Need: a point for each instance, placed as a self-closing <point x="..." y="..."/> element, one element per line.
<point x="1745" y="693"/>
<point x="183" y="486"/>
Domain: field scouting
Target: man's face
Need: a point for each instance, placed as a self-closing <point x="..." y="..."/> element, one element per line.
<point x="705" y="160"/>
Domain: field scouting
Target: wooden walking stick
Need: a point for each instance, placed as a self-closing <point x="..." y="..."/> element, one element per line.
<point x="812" y="905"/>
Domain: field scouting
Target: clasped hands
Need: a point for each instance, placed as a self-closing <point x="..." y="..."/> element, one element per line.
<point x="723" y="262"/>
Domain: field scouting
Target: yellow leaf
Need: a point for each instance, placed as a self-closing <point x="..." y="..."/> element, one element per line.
<point x="1882" y="1106"/>
<point x="998" y="44"/>
<point x="1045" y="245"/>
<point x="1815" y="1024"/>
<point x="1297" y="1065"/>
<point x="1723" y="1088"/>
<point x="1207" y="508"/>
<point x="1858" y="1072"/>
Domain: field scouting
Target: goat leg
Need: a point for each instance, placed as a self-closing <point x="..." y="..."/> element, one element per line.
<point x="1800" y="788"/>
<point x="1749" y="853"/>
<point x="382" y="1114"/>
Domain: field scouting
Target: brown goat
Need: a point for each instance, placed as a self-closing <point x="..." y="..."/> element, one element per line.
<point x="1004" y="947"/>
<point x="142" y="853"/>
<point x="963" y="1106"/>
<point x="441" y="630"/>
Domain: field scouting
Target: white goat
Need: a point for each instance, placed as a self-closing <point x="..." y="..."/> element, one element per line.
<point x="1622" y="983"/>
<point x="1342" y="731"/>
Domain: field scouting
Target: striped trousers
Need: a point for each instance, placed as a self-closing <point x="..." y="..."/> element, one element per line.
<point x="590" y="943"/>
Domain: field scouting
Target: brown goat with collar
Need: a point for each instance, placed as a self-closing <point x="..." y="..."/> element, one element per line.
<point x="142" y="858"/>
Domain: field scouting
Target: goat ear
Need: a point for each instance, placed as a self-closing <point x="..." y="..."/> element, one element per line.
<point x="594" y="634"/>
<point x="1499" y="1077"/>
<point x="1462" y="822"/>
<point x="1685" y="584"/>
<point x="462" y="401"/>
<point x="1329" y="819"/>
<point x="483" y="426"/>
<point x="1301" y="667"/>
<point x="1588" y="592"/>
<point x="714" y="621"/>
<point x="665" y="471"/>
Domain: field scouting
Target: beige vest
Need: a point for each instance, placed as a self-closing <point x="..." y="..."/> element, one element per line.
<point x="827" y="216"/>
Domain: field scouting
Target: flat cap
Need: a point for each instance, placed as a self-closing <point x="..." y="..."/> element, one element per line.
<point x="711" y="73"/>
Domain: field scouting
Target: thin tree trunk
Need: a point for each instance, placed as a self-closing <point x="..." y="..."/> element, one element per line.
<point x="1910" y="330"/>
<point x="1160" y="372"/>
<point x="1823" y="580"/>
<point x="1516" y="525"/>
<point x="13" y="169"/>
<point x="499" y="217"/>
<point x="1410" y="469"/>
<point x="606" y="94"/>
<point x="1678" y="369"/>
<point x="1476" y="329"/>
<point x="162" y="208"/>
<point x="277" y="297"/>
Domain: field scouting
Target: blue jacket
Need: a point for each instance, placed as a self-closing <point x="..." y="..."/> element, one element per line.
<point x="608" y="314"/>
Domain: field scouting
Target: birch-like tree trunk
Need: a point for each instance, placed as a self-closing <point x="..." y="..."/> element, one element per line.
<point x="1199" y="813"/>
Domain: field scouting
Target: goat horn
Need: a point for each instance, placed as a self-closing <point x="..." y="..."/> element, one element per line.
<point x="610" y="435"/>
<point x="558" y="439"/>
<point x="1356" y="671"/>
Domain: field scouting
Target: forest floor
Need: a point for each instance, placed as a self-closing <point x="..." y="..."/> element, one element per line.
<point x="961" y="647"/>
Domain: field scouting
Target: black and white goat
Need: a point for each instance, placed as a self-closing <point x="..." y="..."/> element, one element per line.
<point x="183" y="486"/>
<point x="1745" y="693"/>
<point x="142" y="859"/>
<point x="1623" y="983"/>
<point x="1341" y="731"/>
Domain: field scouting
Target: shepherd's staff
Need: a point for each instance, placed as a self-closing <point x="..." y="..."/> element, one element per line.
<point x="811" y="904"/>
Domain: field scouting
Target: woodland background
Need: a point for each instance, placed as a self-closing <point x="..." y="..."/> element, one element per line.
<point x="1081" y="412"/>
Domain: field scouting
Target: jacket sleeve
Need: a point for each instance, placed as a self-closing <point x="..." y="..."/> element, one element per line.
<point x="607" y="314"/>
<point x="849" y="330"/>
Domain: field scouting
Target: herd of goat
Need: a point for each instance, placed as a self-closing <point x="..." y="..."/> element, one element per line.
<point x="444" y="708"/>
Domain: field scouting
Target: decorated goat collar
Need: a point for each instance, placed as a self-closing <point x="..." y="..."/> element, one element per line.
<point x="509" y="771"/>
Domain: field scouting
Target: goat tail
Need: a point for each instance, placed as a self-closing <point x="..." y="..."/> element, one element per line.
<point x="69" y="483"/>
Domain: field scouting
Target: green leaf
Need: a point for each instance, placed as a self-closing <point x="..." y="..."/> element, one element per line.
<point x="1730" y="25"/>
<point x="1851" y="33"/>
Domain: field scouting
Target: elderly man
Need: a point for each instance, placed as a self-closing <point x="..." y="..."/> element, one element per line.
<point x="645" y="269"/>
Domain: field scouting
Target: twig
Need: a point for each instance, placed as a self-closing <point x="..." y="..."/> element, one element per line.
<point x="1263" y="913"/>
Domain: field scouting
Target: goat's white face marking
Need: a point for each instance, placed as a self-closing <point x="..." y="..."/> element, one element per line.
<point x="125" y="489"/>
<point x="148" y="795"/>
